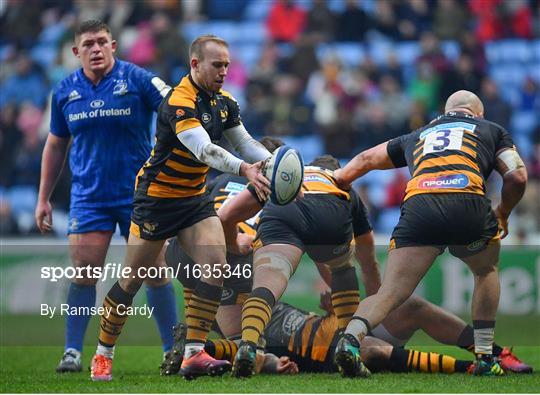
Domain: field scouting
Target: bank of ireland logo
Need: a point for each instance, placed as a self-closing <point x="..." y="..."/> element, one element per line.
<point x="454" y="181"/>
<point x="97" y="103"/>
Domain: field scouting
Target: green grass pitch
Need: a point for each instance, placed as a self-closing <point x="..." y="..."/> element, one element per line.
<point x="27" y="364"/>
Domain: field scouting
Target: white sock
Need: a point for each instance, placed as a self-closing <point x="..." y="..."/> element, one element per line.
<point x="192" y="348"/>
<point x="483" y="340"/>
<point x="357" y="328"/>
<point x="105" y="351"/>
<point x="73" y="351"/>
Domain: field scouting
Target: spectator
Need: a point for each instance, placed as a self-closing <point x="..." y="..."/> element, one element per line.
<point x="320" y="25"/>
<point x="450" y="19"/>
<point x="286" y="21"/>
<point x="304" y="60"/>
<point x="353" y="23"/>
<point x="413" y="18"/>
<point x="27" y="84"/>
<point x="10" y="139"/>
<point x="395" y="103"/>
<point x="495" y="108"/>
<point x="462" y="77"/>
<point x="386" y="21"/>
<point x="425" y="87"/>
<point x="471" y="47"/>
<point x="432" y="53"/>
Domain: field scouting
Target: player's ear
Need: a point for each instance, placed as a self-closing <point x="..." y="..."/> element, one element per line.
<point x="194" y="63"/>
<point x="114" y="45"/>
<point x="75" y="50"/>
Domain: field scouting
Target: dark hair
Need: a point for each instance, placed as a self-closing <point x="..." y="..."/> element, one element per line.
<point x="271" y="143"/>
<point x="91" y="26"/>
<point x="196" y="47"/>
<point x="326" y="162"/>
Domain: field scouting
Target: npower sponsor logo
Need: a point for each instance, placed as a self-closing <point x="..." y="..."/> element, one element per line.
<point x="452" y="181"/>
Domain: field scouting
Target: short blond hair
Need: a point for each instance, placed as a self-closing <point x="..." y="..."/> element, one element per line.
<point x="196" y="49"/>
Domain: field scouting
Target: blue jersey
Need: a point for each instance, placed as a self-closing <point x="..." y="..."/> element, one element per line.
<point x="110" y="125"/>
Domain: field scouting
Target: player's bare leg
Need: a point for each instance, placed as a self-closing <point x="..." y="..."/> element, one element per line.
<point x="404" y="269"/>
<point x="273" y="266"/>
<point x="485" y="301"/>
<point x="140" y="253"/>
<point x="205" y="243"/>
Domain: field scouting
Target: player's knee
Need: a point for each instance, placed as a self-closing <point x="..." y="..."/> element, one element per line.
<point x="274" y="262"/>
<point x="483" y="270"/>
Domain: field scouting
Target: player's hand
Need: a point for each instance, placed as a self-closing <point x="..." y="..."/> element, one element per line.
<point x="325" y="302"/>
<point x="43" y="215"/>
<point x="502" y="218"/>
<point x="342" y="184"/>
<point x="254" y="174"/>
<point x="286" y="366"/>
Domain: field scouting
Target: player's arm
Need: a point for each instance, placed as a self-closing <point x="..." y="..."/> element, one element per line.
<point x="364" y="251"/>
<point x="514" y="174"/>
<point x="198" y="142"/>
<point x="325" y="273"/>
<point x="240" y="208"/>
<point x="242" y="142"/>
<point x="52" y="162"/>
<point x="376" y="158"/>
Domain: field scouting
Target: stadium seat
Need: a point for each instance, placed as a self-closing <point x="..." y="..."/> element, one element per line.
<point x="248" y="54"/>
<point x="408" y="52"/>
<point x="451" y="50"/>
<point x="351" y="54"/>
<point x="257" y="10"/>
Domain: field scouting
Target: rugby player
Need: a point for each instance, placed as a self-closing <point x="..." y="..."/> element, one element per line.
<point x="444" y="206"/>
<point x="311" y="346"/>
<point x="171" y="200"/>
<point x="104" y="110"/>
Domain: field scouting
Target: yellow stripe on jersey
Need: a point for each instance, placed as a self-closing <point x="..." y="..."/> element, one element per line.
<point x="184" y="94"/>
<point x="185" y="169"/>
<point x="182" y="182"/>
<point x="184" y="154"/>
<point x="227" y="94"/>
<point x="441" y="161"/>
<point x="245" y="228"/>
<point x="320" y="181"/>
<point x="163" y="191"/>
<point x="323" y="338"/>
<point x="186" y="124"/>
<point x="306" y="333"/>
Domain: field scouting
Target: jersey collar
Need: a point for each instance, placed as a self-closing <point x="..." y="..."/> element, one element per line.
<point x="105" y="77"/>
<point x="201" y="90"/>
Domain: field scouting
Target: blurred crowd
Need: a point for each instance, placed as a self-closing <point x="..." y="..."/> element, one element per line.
<point x="337" y="76"/>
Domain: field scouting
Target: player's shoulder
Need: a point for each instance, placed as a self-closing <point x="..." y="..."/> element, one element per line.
<point x="227" y="95"/>
<point x="70" y="88"/>
<point x="183" y="95"/>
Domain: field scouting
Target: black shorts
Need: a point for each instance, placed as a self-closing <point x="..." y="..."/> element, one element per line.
<point x="320" y="225"/>
<point x="465" y="223"/>
<point x="156" y="218"/>
<point x="236" y="287"/>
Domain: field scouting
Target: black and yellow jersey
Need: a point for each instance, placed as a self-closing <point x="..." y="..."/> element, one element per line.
<point x="318" y="180"/>
<point x="308" y="339"/>
<point x="453" y="154"/>
<point x="172" y="171"/>
<point x="225" y="187"/>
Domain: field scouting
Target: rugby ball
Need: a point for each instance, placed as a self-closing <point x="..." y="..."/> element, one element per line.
<point x="285" y="171"/>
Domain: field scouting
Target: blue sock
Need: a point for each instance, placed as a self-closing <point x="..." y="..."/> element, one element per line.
<point x="78" y="296"/>
<point x="163" y="300"/>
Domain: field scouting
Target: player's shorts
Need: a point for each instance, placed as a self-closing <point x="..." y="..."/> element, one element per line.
<point x="321" y="225"/>
<point x="236" y="287"/>
<point x="465" y="223"/>
<point x="162" y="218"/>
<point x="92" y="219"/>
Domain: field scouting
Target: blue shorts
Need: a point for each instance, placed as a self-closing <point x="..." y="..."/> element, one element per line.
<point x="91" y="219"/>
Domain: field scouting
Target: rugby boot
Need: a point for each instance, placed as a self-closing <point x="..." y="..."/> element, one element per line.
<point x="101" y="368"/>
<point x="173" y="358"/>
<point x="70" y="362"/>
<point x="202" y="364"/>
<point x="347" y="358"/>
<point x="245" y="360"/>
<point x="486" y="366"/>
<point x="510" y="363"/>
